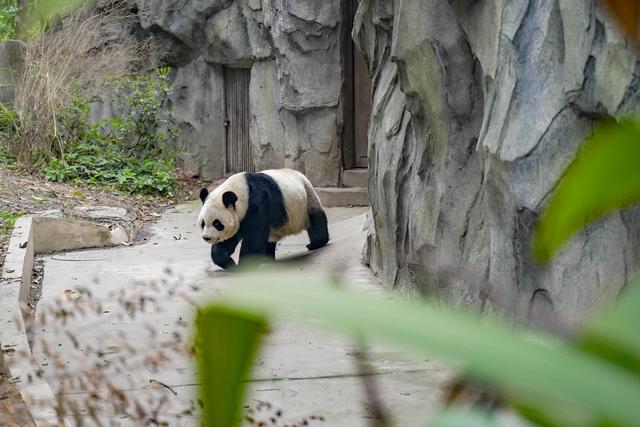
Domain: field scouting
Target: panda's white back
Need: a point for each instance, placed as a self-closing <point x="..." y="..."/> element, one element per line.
<point x="293" y="186"/>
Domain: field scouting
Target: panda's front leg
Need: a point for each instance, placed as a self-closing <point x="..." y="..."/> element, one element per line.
<point x="221" y="253"/>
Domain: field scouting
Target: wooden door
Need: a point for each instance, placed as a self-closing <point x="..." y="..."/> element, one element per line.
<point x="361" y="110"/>
<point x="239" y="156"/>
<point x="358" y="93"/>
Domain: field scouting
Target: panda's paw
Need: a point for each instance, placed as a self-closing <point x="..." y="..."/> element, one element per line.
<point x="231" y="269"/>
<point x="227" y="265"/>
<point x="316" y="245"/>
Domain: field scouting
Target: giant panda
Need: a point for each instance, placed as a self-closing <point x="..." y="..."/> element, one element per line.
<point x="259" y="209"/>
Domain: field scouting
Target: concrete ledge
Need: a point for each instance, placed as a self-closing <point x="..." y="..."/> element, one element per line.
<point x="61" y="234"/>
<point x="343" y="197"/>
<point x="16" y="352"/>
<point x="33" y="235"/>
<point x="355" y="177"/>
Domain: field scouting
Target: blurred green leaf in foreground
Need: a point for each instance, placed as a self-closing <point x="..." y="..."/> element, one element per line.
<point x="605" y="176"/>
<point x="552" y="382"/>
<point x="226" y="343"/>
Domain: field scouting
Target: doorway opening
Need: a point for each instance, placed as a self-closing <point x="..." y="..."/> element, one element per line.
<point x="239" y="156"/>
<point x="358" y="93"/>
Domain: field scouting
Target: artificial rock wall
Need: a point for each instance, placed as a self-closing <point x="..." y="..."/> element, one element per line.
<point x="294" y="50"/>
<point x="478" y="107"/>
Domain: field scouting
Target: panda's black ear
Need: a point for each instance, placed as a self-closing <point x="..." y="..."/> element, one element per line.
<point x="203" y="194"/>
<point x="229" y="199"/>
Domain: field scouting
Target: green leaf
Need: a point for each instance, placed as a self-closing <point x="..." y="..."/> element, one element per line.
<point x="532" y="368"/>
<point x="614" y="334"/>
<point x="226" y="344"/>
<point x="461" y="418"/>
<point x="605" y="176"/>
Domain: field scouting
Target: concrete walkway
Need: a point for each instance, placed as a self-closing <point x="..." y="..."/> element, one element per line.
<point x="301" y="371"/>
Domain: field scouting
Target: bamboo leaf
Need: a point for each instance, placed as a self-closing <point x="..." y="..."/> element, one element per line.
<point x="226" y="344"/>
<point x="533" y="368"/>
<point x="614" y="334"/>
<point x="605" y="176"/>
<point x="460" y="418"/>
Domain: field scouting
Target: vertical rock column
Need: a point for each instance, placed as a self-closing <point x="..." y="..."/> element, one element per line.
<point x="478" y="108"/>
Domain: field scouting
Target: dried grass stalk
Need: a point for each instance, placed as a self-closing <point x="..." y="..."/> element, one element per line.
<point x="85" y="47"/>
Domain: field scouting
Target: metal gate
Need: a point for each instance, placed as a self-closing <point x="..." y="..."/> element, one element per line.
<point x="239" y="157"/>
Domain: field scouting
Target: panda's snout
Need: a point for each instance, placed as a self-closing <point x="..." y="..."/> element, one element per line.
<point x="206" y="238"/>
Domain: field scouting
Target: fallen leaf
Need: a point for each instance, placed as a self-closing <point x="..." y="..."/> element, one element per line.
<point x="72" y="294"/>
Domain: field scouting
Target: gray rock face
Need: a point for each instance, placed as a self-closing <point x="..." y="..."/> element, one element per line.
<point x="294" y="50"/>
<point x="198" y="111"/>
<point x="478" y="107"/>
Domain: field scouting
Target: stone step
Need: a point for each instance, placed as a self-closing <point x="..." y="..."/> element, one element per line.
<point x="355" y="177"/>
<point x="332" y="197"/>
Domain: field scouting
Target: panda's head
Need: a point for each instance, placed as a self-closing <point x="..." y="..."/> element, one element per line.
<point x="218" y="219"/>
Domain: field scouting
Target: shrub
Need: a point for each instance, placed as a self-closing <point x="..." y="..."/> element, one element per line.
<point x="8" y="123"/>
<point x="129" y="153"/>
<point x="141" y="121"/>
<point x="80" y="50"/>
<point x="8" y="14"/>
<point x="8" y="220"/>
<point x="49" y="129"/>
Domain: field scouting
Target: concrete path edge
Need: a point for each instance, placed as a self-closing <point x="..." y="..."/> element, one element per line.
<point x="31" y="235"/>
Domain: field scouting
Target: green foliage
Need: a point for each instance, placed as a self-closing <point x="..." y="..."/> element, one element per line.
<point x="226" y="344"/>
<point x="8" y="14"/>
<point x="611" y="334"/>
<point x="8" y="122"/>
<point x="104" y="162"/>
<point x="44" y="10"/>
<point x="551" y="382"/>
<point x="8" y="220"/>
<point x="6" y="158"/>
<point x="475" y="418"/>
<point x="129" y="153"/>
<point x="604" y="177"/>
<point x="140" y="120"/>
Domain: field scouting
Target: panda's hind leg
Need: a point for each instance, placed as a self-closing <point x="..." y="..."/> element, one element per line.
<point x="317" y="230"/>
<point x="256" y="244"/>
<point x="271" y="250"/>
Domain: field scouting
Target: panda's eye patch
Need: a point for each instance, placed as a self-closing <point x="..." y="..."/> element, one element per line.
<point x="202" y="224"/>
<point x="218" y="225"/>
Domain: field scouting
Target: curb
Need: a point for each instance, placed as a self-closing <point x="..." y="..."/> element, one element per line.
<point x="33" y="235"/>
<point x="14" y="288"/>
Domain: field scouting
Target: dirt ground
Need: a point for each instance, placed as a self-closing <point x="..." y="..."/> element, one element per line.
<point x="23" y="192"/>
